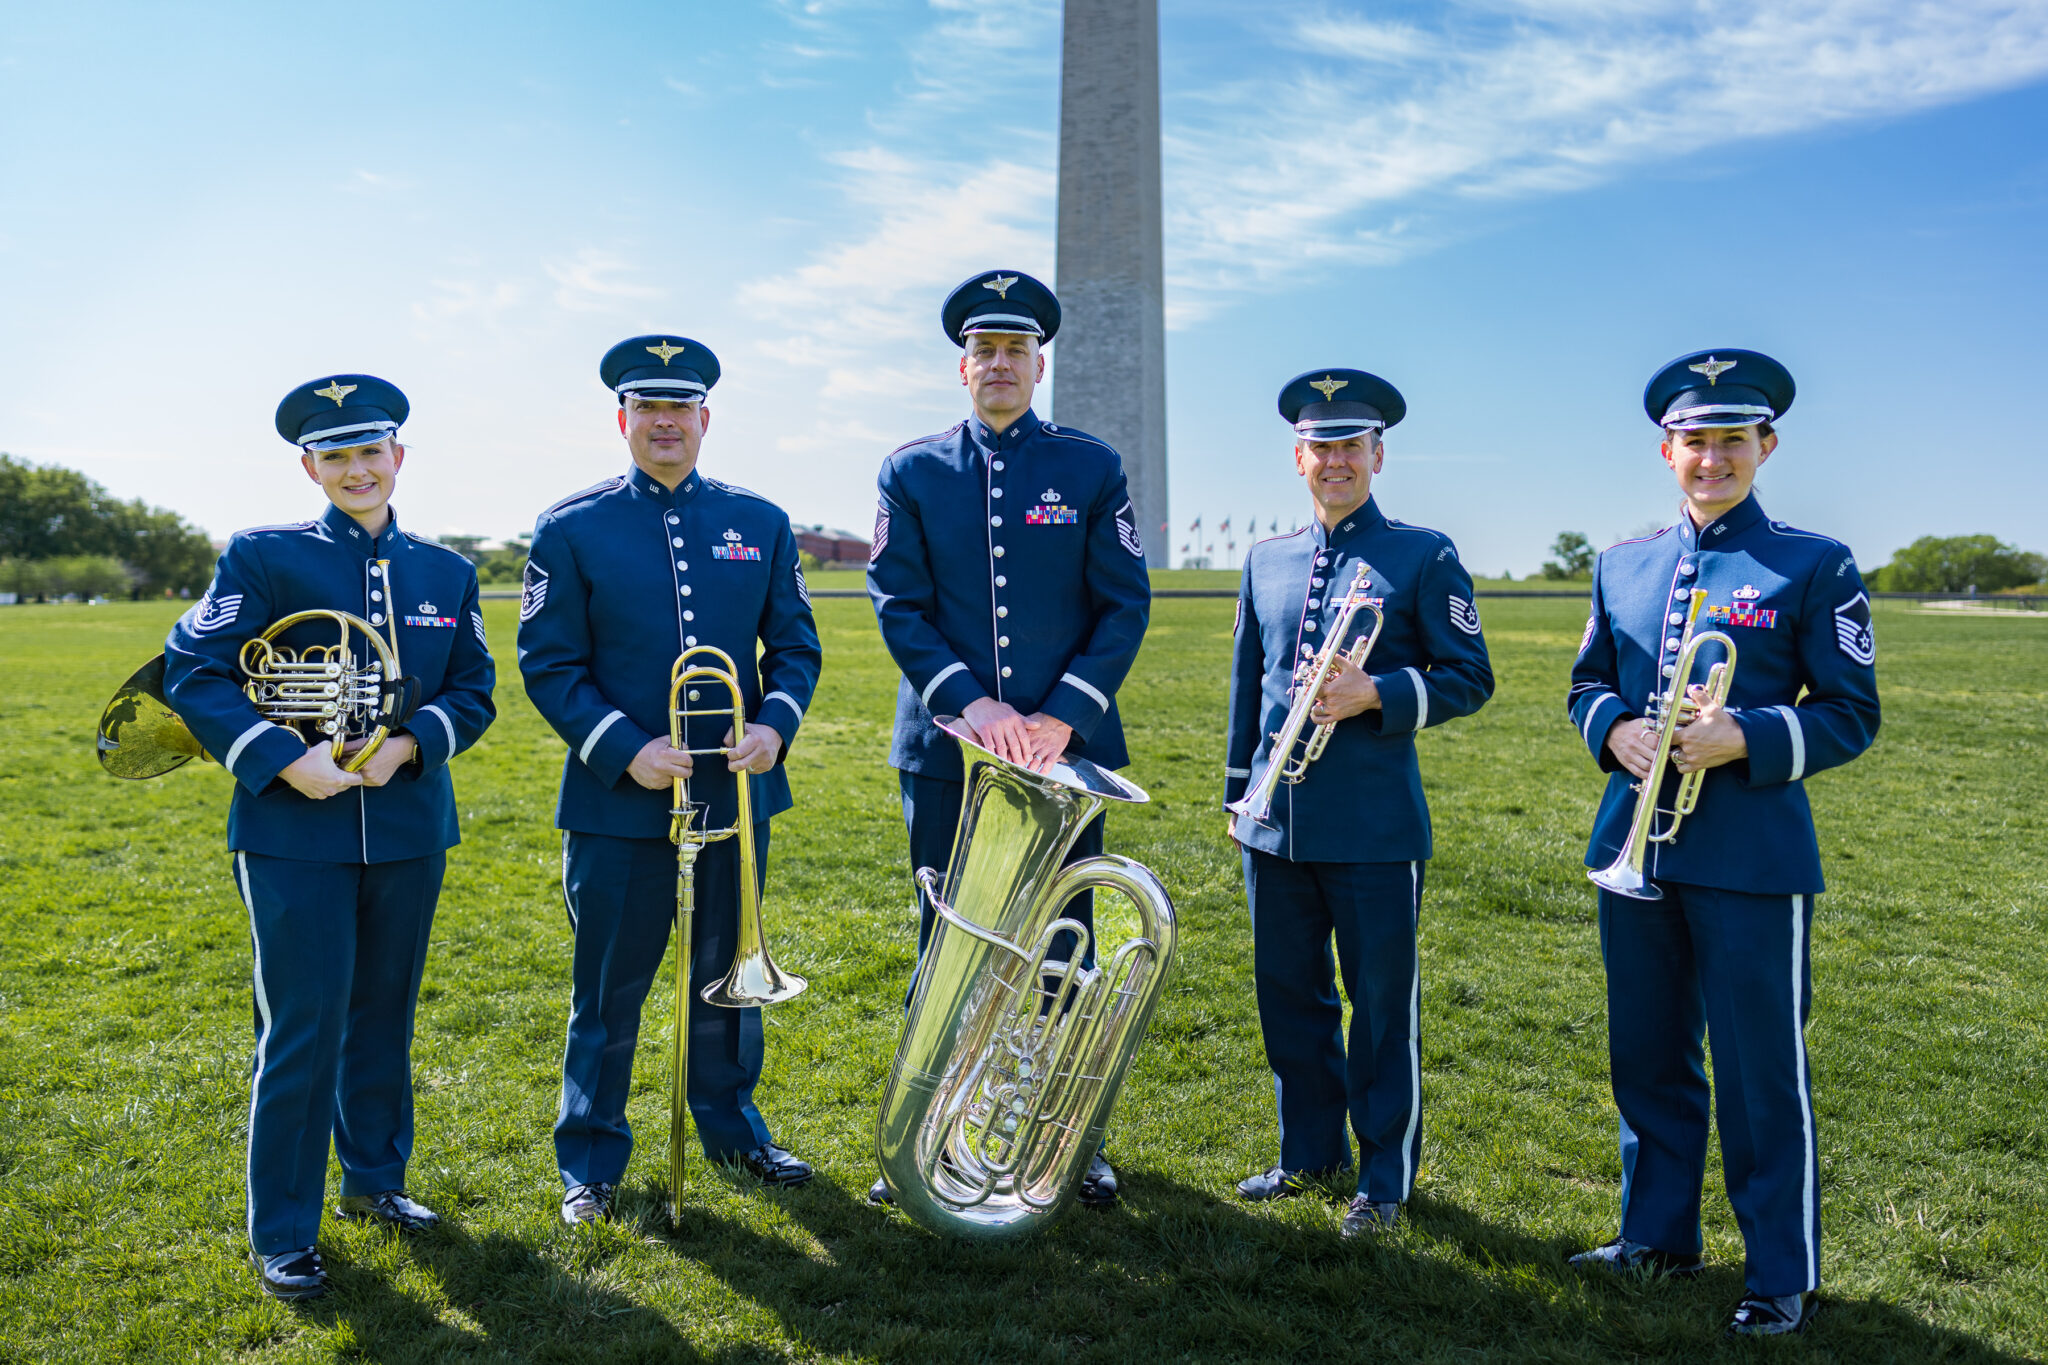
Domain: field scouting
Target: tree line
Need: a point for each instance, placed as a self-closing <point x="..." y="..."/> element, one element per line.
<point x="1929" y="564"/>
<point x="61" y="532"/>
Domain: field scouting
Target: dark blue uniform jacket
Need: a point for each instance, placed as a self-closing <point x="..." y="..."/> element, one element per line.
<point x="1008" y="567"/>
<point x="1362" y="801"/>
<point x="622" y="577"/>
<point x="1805" y="689"/>
<point x="272" y="571"/>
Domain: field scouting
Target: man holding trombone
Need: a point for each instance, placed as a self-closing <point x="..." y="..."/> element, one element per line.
<point x="1727" y="657"/>
<point x="1352" y="634"/>
<point x="623" y="577"/>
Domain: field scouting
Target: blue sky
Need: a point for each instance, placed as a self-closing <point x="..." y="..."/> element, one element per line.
<point x="1515" y="211"/>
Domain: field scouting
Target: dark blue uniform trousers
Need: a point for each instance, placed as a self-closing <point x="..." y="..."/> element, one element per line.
<point x="931" y="808"/>
<point x="1735" y="967"/>
<point x="1371" y="910"/>
<point x="621" y="897"/>
<point x="339" y="948"/>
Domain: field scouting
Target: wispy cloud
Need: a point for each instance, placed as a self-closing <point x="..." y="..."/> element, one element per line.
<point x="1362" y="137"/>
<point x="597" y="281"/>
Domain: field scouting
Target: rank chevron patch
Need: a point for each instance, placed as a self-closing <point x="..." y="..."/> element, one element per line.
<point x="535" y="595"/>
<point x="1127" y="530"/>
<point x="213" y="613"/>
<point x="1465" y="616"/>
<point x="881" y="540"/>
<point x="1852" y="630"/>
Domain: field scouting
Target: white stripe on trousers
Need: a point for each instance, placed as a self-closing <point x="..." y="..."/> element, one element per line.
<point x="1414" y="1042"/>
<point x="1810" y="1169"/>
<point x="262" y="1045"/>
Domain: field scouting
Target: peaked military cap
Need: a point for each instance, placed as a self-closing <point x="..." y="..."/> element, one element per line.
<point x="338" y="411"/>
<point x="1725" y="388"/>
<point x="672" y="368"/>
<point x="1336" y="405"/>
<point x="1000" y="301"/>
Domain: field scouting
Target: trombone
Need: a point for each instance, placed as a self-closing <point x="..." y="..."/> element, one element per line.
<point x="1670" y="710"/>
<point x="753" y="978"/>
<point x="321" y="687"/>
<point x="1283" y="766"/>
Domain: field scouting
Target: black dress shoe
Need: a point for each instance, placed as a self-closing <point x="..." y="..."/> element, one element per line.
<point x="880" y="1193"/>
<point x="293" y="1276"/>
<point x="1761" y="1316"/>
<point x="1278" y="1183"/>
<point x="773" y="1165"/>
<point x="1364" y="1216"/>
<point x="1622" y="1255"/>
<point x="1098" y="1187"/>
<point x="389" y="1207"/>
<point x="590" y="1203"/>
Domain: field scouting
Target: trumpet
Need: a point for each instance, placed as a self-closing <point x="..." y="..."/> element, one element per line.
<point x="1284" y="766"/>
<point x="753" y="978"/>
<point x="1670" y="710"/>
<point x="321" y="688"/>
<point x="1011" y="1060"/>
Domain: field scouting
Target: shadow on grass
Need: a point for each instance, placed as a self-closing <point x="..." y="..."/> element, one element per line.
<point x="1178" y="1272"/>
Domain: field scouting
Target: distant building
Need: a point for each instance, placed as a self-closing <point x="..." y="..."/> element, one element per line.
<point x="834" y="549"/>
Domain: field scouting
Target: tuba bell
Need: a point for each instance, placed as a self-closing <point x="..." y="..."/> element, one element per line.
<point x="315" y="690"/>
<point x="1011" y="1061"/>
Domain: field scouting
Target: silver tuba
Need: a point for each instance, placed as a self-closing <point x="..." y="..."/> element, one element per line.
<point x="1011" y="1060"/>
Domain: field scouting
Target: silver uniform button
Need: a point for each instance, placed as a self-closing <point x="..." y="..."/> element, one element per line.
<point x="1670" y="669"/>
<point x="689" y="616"/>
<point x="1002" y="611"/>
<point x="689" y="639"/>
<point x="693" y="694"/>
<point x="995" y="521"/>
<point x="1313" y="604"/>
<point x="1002" y="582"/>
<point x="999" y="552"/>
<point x="1315" y="582"/>
<point x="1050" y="427"/>
<point x="995" y="492"/>
<point x="673" y="519"/>
<point x="377" y="618"/>
<point x="686" y="589"/>
<point x="1677" y="618"/>
<point x="1003" y="640"/>
<point x="680" y="565"/>
<point x="1006" y="670"/>
<point x="1671" y="645"/>
<point x="999" y="466"/>
<point x="1308" y="625"/>
<point x="1679" y="594"/>
<point x="677" y="542"/>
<point x="376" y="596"/>
<point x="376" y="571"/>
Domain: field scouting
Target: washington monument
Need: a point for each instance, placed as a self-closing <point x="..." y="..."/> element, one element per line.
<point x="1111" y="377"/>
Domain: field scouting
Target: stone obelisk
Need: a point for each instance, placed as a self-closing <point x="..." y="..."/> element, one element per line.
<point x="1110" y="356"/>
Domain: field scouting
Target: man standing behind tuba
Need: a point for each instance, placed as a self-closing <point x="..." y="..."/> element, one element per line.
<point x="340" y="870"/>
<point x="1010" y="584"/>
<point x="1707" y="933"/>
<point x="623" y="577"/>
<point x="1340" y="853"/>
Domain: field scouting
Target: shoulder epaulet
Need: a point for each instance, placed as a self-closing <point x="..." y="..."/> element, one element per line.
<point x="722" y="486"/>
<point x="1784" y="529"/>
<point x="603" y="486"/>
<point x="1639" y="540"/>
<point x="1051" y="430"/>
<point x="432" y="544"/>
<point x="276" y="526"/>
<point x="1419" y="530"/>
<point x="935" y="436"/>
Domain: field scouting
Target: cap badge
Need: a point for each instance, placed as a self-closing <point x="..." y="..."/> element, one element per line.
<point x="1713" y="369"/>
<point x="336" y="390"/>
<point x="1001" y="284"/>
<point x="1745" y="593"/>
<point x="732" y="536"/>
<point x="665" y="351"/>
<point x="1327" y="386"/>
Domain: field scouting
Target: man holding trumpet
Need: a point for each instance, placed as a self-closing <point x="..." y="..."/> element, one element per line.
<point x="1705" y="930"/>
<point x="1340" y="852"/>
<point x="623" y="577"/>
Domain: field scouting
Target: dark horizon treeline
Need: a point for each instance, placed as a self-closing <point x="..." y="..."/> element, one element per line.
<point x="61" y="532"/>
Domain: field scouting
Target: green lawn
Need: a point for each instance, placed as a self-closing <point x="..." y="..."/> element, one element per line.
<point x="125" y="1036"/>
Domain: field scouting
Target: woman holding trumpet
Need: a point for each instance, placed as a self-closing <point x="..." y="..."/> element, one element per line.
<point x="1352" y="634"/>
<point x="1728" y="657"/>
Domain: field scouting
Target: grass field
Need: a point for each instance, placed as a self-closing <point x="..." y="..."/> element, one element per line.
<point x="125" y="1036"/>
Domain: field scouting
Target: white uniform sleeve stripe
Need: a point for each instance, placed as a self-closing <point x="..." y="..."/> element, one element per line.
<point x="1593" y="713"/>
<point x="583" y="754"/>
<point x="1237" y="772"/>
<point x="446" y="724"/>
<point x="235" y="749"/>
<point x="1421" y="698"/>
<point x="948" y="671"/>
<point x="1083" y="685"/>
<point x="1796" y="731"/>
<point x="786" y="700"/>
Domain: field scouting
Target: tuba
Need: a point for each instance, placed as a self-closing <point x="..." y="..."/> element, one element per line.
<point x="1283" y="766"/>
<point x="321" y="689"/>
<point x="1011" y="1061"/>
<point x="1669" y="711"/>
<point x="753" y="979"/>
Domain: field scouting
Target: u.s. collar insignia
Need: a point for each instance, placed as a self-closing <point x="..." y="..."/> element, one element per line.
<point x="1745" y="593"/>
<point x="1327" y="386"/>
<point x="1001" y="284"/>
<point x="336" y="390"/>
<point x="1049" y="495"/>
<point x="1713" y="369"/>
<point x="665" y="351"/>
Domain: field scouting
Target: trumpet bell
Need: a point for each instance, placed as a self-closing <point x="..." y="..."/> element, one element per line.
<point x="1624" y="880"/>
<point x="140" y="736"/>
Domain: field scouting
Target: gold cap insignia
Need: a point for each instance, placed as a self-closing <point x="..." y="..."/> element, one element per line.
<point x="336" y="390"/>
<point x="1713" y="369"/>
<point x="665" y="351"/>
<point x="1001" y="284"/>
<point x="1327" y="386"/>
